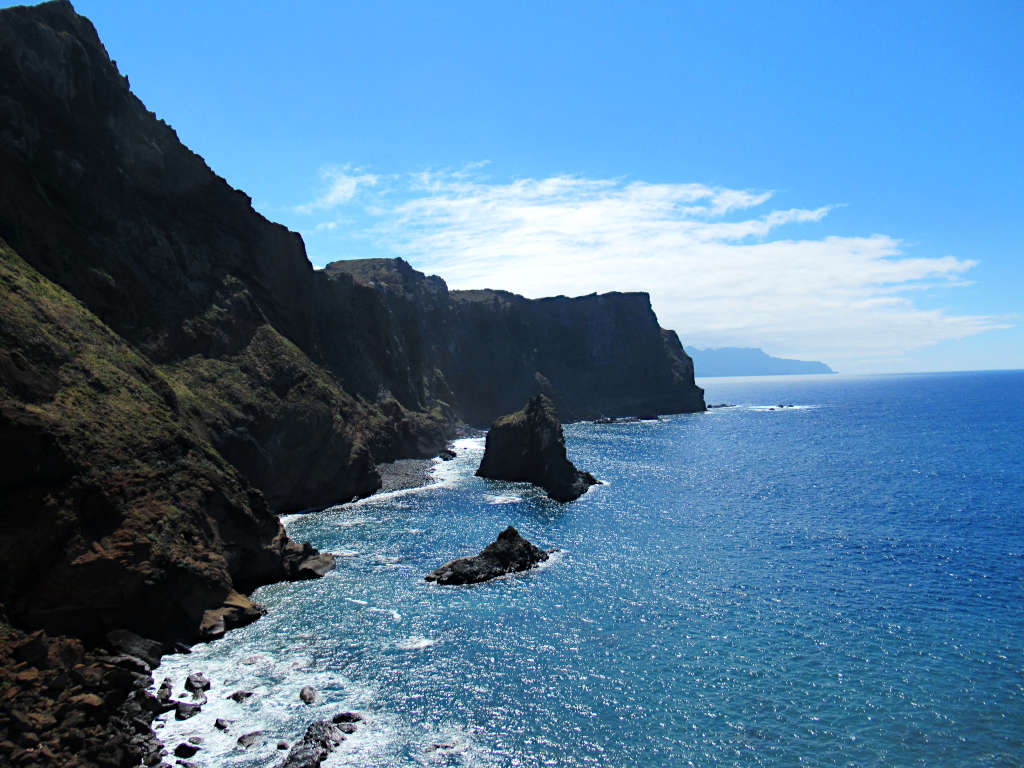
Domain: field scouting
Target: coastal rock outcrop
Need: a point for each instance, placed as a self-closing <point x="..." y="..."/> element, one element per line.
<point x="528" y="446"/>
<point x="320" y="739"/>
<point x="174" y="372"/>
<point x="508" y="554"/>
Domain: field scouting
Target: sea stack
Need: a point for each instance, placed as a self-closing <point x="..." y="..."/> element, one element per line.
<point x="509" y="553"/>
<point x="529" y="446"/>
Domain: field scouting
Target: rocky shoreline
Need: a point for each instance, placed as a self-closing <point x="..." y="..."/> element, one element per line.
<point x="174" y="374"/>
<point x="405" y="474"/>
<point x="319" y="740"/>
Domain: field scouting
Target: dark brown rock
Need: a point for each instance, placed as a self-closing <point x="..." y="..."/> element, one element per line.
<point x="183" y="710"/>
<point x="196" y="682"/>
<point x="248" y="740"/>
<point x="509" y="553"/>
<point x="529" y="446"/>
<point x="316" y="744"/>
<point x="347" y="717"/>
<point x="186" y="750"/>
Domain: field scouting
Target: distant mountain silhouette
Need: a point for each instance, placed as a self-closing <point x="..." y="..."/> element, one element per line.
<point x="749" y="361"/>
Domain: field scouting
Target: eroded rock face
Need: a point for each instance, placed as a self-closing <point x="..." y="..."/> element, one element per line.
<point x="596" y="355"/>
<point x="528" y="446"/>
<point x="319" y="741"/>
<point x="508" y="554"/>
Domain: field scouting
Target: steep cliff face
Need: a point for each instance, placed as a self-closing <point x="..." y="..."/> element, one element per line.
<point x="101" y="197"/>
<point x="492" y="350"/>
<point x="173" y="368"/>
<point x="114" y="512"/>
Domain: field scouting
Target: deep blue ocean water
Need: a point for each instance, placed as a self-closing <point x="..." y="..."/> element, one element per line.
<point x="838" y="583"/>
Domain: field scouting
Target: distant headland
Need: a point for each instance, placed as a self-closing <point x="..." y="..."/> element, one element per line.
<point x="749" y="361"/>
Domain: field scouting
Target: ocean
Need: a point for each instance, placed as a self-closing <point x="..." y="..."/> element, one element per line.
<point x="834" y="583"/>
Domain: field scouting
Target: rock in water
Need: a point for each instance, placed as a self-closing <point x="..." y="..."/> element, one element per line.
<point x="320" y="740"/>
<point x="307" y="694"/>
<point x="528" y="445"/>
<point x="249" y="739"/>
<point x="196" y="682"/>
<point x="511" y="552"/>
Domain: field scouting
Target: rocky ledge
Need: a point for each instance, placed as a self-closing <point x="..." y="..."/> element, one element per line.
<point x="508" y="554"/>
<point x="529" y="446"/>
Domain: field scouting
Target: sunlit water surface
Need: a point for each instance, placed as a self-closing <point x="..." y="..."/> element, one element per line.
<point x="837" y="583"/>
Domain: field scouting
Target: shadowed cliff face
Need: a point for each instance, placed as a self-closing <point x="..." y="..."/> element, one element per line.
<point x="593" y="355"/>
<point x="101" y="197"/>
<point x="173" y="368"/>
<point x="114" y="512"/>
<point x="173" y="371"/>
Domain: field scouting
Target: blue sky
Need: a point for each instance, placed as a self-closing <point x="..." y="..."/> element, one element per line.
<point x="839" y="181"/>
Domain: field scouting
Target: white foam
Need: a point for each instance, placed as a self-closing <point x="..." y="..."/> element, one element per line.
<point x="415" y="643"/>
<point x="504" y="499"/>
<point x="352" y="522"/>
<point x="780" y="408"/>
<point x="276" y="709"/>
<point x="553" y="559"/>
<point x="357" y="602"/>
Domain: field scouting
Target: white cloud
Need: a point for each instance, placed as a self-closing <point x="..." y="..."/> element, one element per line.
<point x="715" y="263"/>
<point x="342" y="185"/>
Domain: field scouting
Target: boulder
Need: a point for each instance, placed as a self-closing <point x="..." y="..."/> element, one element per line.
<point x="185" y="750"/>
<point x="509" y="553"/>
<point x="183" y="710"/>
<point x="164" y="692"/>
<point x="347" y="717"/>
<point x="307" y="694"/>
<point x="240" y="696"/>
<point x="128" y="643"/>
<point x="250" y="739"/>
<point x="529" y="446"/>
<point x="237" y="610"/>
<point x="318" y="742"/>
<point x="316" y="566"/>
<point x="196" y="682"/>
<point x="307" y="562"/>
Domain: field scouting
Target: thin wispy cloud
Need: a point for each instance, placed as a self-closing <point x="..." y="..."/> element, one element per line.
<point x="721" y="265"/>
<point x="341" y="185"/>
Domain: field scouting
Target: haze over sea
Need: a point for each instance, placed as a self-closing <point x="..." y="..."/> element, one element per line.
<point x="837" y="583"/>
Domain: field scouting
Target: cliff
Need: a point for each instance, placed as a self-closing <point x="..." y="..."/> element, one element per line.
<point x="173" y="371"/>
<point x="528" y="446"/>
<point x="283" y="384"/>
<point x="596" y="355"/>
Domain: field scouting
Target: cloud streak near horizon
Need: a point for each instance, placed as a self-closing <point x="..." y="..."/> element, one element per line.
<point x="713" y="259"/>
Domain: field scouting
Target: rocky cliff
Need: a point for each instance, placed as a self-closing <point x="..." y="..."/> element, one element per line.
<point x="173" y="371"/>
<point x="144" y="294"/>
<point x="596" y="355"/>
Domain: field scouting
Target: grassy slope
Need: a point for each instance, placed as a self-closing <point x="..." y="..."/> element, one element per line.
<point x="115" y="511"/>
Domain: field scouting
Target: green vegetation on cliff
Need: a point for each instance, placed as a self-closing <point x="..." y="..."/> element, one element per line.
<point x="116" y="513"/>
